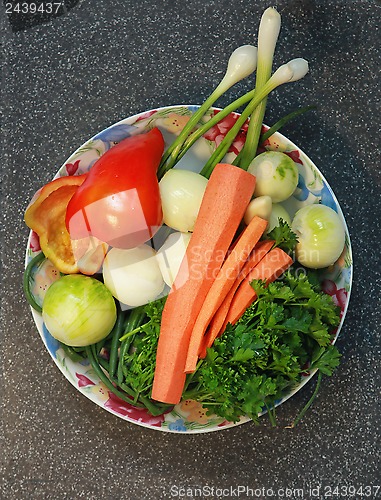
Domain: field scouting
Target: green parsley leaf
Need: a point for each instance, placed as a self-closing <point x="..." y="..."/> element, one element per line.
<point x="326" y="360"/>
<point x="283" y="236"/>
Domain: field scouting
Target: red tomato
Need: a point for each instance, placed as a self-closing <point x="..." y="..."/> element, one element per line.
<point x="119" y="202"/>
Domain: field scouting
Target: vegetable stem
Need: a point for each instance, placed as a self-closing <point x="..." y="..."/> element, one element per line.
<point x="309" y="402"/>
<point x="292" y="71"/>
<point x="115" y="342"/>
<point x="103" y="363"/>
<point x="241" y="64"/>
<point x="125" y="345"/>
<point x="173" y="150"/>
<point x="203" y="129"/>
<point x="71" y="353"/>
<point x="271" y="414"/>
<point x="267" y="37"/>
<point x="225" y="144"/>
<point x="27" y="278"/>
<point x="153" y="408"/>
<point x="103" y="377"/>
<point x="133" y="332"/>
<point x="285" y="119"/>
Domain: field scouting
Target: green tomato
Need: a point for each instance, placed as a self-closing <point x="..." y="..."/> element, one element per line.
<point x="78" y="310"/>
<point x="276" y="175"/>
<point x="321" y="236"/>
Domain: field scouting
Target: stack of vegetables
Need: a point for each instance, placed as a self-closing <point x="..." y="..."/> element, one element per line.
<point x="175" y="283"/>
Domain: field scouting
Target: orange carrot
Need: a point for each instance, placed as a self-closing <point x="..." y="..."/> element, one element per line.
<point x="268" y="269"/>
<point x="219" y="322"/>
<point x="226" y="197"/>
<point x="221" y="286"/>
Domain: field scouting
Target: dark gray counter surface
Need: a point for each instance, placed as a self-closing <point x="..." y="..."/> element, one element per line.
<point x="104" y="60"/>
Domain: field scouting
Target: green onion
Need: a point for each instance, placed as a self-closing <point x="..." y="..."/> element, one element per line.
<point x="285" y="119"/>
<point x="124" y="347"/>
<point x="116" y="331"/>
<point x="309" y="402"/>
<point x="267" y="38"/>
<point x="131" y="327"/>
<point x="71" y="353"/>
<point x="199" y="132"/>
<point x="242" y="63"/>
<point x="290" y="72"/>
<point x="92" y="357"/>
<point x="27" y="279"/>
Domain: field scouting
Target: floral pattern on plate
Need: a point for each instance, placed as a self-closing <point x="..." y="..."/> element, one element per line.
<point x="188" y="416"/>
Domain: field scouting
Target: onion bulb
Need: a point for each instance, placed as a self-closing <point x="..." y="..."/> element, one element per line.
<point x="260" y="207"/>
<point x="181" y="195"/>
<point x="321" y="236"/>
<point x="278" y="212"/>
<point x="78" y="310"/>
<point x="171" y="254"/>
<point x="276" y="175"/>
<point x="133" y="275"/>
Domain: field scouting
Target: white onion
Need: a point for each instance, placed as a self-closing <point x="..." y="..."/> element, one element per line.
<point x="171" y="254"/>
<point x="181" y="195"/>
<point x="321" y="236"/>
<point x="133" y="275"/>
<point x="276" y="174"/>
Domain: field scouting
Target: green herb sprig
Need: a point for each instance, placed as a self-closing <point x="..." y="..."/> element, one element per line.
<point x="261" y="358"/>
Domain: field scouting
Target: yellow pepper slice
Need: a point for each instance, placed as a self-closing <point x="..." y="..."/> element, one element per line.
<point x="46" y="216"/>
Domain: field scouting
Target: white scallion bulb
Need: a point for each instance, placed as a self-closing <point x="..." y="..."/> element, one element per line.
<point x="282" y="75"/>
<point x="299" y="68"/>
<point x="291" y="72"/>
<point x="242" y="62"/>
<point x="268" y="33"/>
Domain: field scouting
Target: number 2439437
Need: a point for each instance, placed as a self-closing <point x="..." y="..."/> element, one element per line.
<point x="33" y="8"/>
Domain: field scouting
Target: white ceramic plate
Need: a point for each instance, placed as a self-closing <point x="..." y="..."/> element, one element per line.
<point x="188" y="416"/>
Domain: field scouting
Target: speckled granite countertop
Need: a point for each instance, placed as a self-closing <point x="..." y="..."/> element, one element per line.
<point x="104" y="60"/>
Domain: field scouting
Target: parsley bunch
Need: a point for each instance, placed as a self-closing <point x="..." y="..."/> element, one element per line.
<point x="286" y="331"/>
<point x="256" y="361"/>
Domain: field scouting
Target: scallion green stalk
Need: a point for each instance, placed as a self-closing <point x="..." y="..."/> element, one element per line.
<point x="241" y="64"/>
<point x="290" y="72"/>
<point x="285" y="119"/>
<point x="267" y="38"/>
<point x="203" y="129"/>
